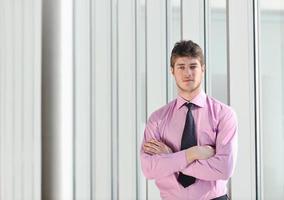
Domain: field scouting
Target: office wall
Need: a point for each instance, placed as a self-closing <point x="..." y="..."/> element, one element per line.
<point x="20" y="97"/>
<point x="119" y="55"/>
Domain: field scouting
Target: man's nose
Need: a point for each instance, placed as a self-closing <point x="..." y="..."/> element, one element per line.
<point x="188" y="71"/>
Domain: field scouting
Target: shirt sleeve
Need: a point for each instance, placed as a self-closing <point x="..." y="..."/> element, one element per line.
<point x="158" y="166"/>
<point x="222" y="164"/>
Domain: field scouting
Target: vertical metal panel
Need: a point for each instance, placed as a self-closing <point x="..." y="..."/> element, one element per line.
<point x="101" y="88"/>
<point x="141" y="97"/>
<point x="36" y="95"/>
<point x="57" y="100"/>
<point x="28" y="102"/>
<point x="126" y="100"/>
<point x="114" y="100"/>
<point x="1" y="99"/>
<point x="259" y="139"/>
<point x="8" y="102"/>
<point x="206" y="47"/>
<point x="156" y="65"/>
<point x="19" y="133"/>
<point x="50" y="80"/>
<point x="241" y="76"/>
<point x="18" y="161"/>
<point x="82" y="83"/>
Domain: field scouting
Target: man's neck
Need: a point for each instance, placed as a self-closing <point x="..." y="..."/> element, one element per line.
<point x="189" y="95"/>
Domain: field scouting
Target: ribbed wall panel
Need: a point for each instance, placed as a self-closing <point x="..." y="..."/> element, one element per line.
<point x="20" y="97"/>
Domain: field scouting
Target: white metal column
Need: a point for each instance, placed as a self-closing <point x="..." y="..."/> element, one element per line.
<point x="57" y="100"/>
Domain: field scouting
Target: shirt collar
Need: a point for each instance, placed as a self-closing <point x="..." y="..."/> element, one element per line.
<point x="199" y="100"/>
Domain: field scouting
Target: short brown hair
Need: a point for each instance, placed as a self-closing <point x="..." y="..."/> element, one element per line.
<point x="186" y="48"/>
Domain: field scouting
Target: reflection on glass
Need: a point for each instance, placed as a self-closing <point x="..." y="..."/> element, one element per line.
<point x="217" y="43"/>
<point x="271" y="97"/>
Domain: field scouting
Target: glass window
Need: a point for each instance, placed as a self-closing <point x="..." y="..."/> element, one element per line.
<point x="271" y="80"/>
<point x="217" y="50"/>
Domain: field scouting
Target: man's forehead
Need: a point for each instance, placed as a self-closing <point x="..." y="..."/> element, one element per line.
<point x="187" y="60"/>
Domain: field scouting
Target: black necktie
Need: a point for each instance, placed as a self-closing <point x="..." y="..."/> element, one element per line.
<point x="188" y="140"/>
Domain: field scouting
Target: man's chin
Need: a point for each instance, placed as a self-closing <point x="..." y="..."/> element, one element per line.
<point x="187" y="90"/>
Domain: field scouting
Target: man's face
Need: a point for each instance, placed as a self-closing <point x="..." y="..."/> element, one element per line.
<point x="188" y="73"/>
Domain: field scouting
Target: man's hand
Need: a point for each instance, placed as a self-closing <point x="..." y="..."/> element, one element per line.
<point x="199" y="153"/>
<point x="154" y="147"/>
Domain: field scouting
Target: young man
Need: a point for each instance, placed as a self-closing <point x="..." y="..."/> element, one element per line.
<point x="190" y="144"/>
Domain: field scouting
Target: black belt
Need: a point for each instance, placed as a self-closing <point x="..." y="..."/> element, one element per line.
<point x="224" y="197"/>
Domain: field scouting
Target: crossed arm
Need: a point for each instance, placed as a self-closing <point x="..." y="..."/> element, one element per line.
<point x="202" y="162"/>
<point x="155" y="147"/>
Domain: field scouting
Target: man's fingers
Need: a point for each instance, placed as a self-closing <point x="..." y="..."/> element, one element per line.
<point x="149" y="151"/>
<point x="152" y="148"/>
<point x="155" y="142"/>
<point x="150" y="145"/>
<point x="156" y="147"/>
<point x="161" y="145"/>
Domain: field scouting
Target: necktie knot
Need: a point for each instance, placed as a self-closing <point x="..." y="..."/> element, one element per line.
<point x="189" y="105"/>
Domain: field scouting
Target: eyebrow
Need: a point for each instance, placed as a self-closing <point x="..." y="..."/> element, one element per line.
<point x="191" y="64"/>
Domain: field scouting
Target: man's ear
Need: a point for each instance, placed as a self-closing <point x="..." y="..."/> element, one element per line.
<point x="203" y="68"/>
<point x="172" y="70"/>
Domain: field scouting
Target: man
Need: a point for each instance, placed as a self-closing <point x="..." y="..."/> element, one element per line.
<point x="190" y="144"/>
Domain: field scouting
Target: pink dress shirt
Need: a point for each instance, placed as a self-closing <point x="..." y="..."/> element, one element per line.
<point x="215" y="125"/>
